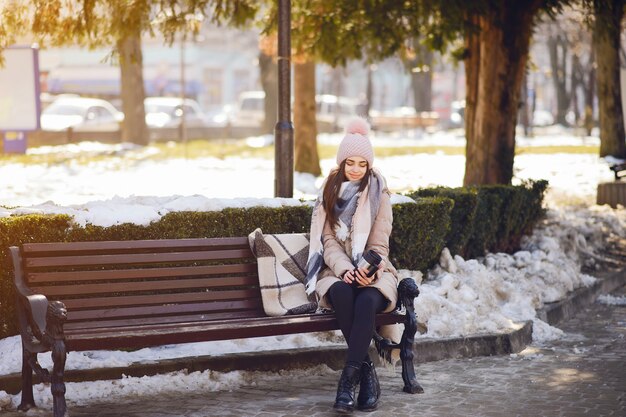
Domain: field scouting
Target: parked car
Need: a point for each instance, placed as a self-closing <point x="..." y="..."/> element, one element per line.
<point x="81" y="114"/>
<point x="168" y="111"/>
<point x="332" y="111"/>
<point x="250" y="110"/>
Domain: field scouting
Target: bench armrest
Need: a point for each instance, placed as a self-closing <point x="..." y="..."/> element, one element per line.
<point x="32" y="308"/>
<point x="619" y="170"/>
<point x="407" y="292"/>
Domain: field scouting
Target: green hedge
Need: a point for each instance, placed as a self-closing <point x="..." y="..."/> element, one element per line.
<point x="419" y="232"/>
<point x="462" y="215"/>
<point x="490" y="218"/>
<point x="485" y="227"/>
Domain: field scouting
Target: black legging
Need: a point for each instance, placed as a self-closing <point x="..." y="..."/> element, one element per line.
<point x="356" y="310"/>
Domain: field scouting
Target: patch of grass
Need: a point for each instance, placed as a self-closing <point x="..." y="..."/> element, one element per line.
<point x="214" y="148"/>
<point x="578" y="149"/>
<point x="199" y="149"/>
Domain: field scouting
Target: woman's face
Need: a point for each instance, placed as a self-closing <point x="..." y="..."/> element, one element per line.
<point x="355" y="169"/>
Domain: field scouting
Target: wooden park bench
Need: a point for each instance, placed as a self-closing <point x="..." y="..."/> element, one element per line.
<point x="619" y="170"/>
<point x="613" y="193"/>
<point x="134" y="294"/>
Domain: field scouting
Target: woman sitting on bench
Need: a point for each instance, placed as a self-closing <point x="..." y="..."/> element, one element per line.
<point x="348" y="264"/>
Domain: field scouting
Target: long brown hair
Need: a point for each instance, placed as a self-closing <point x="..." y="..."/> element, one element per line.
<point x="331" y="190"/>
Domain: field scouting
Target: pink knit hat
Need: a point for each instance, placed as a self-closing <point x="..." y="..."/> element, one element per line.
<point x="356" y="142"/>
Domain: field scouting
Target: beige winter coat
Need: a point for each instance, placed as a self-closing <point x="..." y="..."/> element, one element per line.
<point x="338" y="254"/>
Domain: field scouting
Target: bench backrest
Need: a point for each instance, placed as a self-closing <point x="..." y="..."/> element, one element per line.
<point x="168" y="281"/>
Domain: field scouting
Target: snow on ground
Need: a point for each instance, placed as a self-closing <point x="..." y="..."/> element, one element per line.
<point x="127" y="173"/>
<point x="459" y="297"/>
<point x="130" y="388"/>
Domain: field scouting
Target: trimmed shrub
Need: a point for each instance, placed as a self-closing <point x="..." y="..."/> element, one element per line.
<point x="18" y="230"/>
<point x="504" y="214"/>
<point x="485" y="225"/>
<point x="531" y="210"/>
<point x="510" y="199"/>
<point x="461" y="217"/>
<point x="419" y="232"/>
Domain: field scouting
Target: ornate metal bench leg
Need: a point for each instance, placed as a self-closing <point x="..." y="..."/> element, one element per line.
<point x="58" y="385"/>
<point x="28" y="401"/>
<point x="407" y="291"/>
<point x="57" y="315"/>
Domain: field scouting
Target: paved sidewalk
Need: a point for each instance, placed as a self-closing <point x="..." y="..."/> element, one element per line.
<point x="581" y="375"/>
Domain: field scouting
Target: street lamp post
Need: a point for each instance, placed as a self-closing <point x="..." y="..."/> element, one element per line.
<point x="283" y="132"/>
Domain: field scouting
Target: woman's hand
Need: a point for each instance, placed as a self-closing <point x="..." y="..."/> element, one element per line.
<point x="360" y="275"/>
<point x="349" y="277"/>
<point x="361" y="278"/>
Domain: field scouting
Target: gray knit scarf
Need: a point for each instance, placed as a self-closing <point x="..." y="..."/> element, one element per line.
<point x="356" y="212"/>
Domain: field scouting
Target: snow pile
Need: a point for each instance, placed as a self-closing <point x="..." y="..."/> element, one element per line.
<point x="587" y="230"/>
<point x="465" y="297"/>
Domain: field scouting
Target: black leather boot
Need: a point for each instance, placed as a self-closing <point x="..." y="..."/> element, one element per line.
<point x="369" y="392"/>
<point x="346" y="389"/>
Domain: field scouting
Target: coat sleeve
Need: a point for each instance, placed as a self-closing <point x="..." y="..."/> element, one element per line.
<point x="335" y="257"/>
<point x="381" y="229"/>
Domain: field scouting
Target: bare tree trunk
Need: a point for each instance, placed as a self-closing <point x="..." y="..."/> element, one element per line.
<point x="134" y="127"/>
<point x="305" y="123"/>
<point x="495" y="62"/>
<point x="557" y="47"/>
<point x="525" y="106"/>
<point x="337" y="89"/>
<point x="606" y="38"/>
<point x="369" y="92"/>
<point x="590" y="92"/>
<point x="576" y="82"/>
<point x="422" y="81"/>
<point x="269" y="81"/>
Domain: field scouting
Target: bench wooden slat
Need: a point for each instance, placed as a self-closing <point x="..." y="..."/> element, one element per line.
<point x="248" y="323"/>
<point x="159" y="299"/>
<point x="187" y="318"/>
<point x="198" y="332"/>
<point x="160" y="310"/>
<point x="135" y="258"/>
<point x="122" y="274"/>
<point x="103" y="246"/>
<point x="125" y="287"/>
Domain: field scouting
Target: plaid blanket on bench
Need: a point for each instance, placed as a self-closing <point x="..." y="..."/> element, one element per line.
<point x="282" y="262"/>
